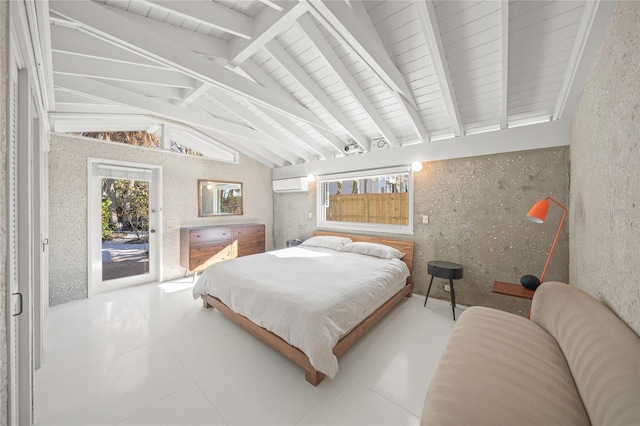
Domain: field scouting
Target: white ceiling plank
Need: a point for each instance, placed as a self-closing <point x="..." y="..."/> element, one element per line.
<point x="104" y="22"/>
<point x="280" y="54"/>
<point x="409" y="108"/>
<point x="298" y="134"/>
<point x="251" y="149"/>
<point x="264" y="79"/>
<point x="343" y="23"/>
<point x="429" y="22"/>
<point x="210" y="47"/>
<point x="265" y="147"/>
<point x="222" y="98"/>
<point x="309" y="28"/>
<point x="594" y="23"/>
<point x="505" y="62"/>
<point x="77" y="42"/>
<point x="268" y="24"/>
<point x="164" y="109"/>
<point x="73" y="108"/>
<point x="272" y="4"/>
<point x="93" y="67"/>
<point x="208" y="13"/>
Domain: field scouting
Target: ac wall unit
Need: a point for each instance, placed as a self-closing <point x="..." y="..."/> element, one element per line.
<point x="299" y="184"/>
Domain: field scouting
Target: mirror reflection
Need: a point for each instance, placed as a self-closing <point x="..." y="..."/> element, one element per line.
<point x="217" y="198"/>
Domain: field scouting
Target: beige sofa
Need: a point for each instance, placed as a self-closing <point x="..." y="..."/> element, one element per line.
<point x="573" y="363"/>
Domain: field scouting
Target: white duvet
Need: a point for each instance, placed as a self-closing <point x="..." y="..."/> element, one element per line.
<point x="309" y="296"/>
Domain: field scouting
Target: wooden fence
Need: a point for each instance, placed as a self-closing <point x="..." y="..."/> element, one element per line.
<point x="390" y="208"/>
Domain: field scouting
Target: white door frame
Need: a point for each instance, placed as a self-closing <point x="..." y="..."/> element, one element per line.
<point x="94" y="240"/>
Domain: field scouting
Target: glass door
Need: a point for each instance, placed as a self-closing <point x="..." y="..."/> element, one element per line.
<point x="125" y="228"/>
<point x="124" y="210"/>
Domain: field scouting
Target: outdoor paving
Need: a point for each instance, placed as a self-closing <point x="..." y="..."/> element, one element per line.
<point x="121" y="259"/>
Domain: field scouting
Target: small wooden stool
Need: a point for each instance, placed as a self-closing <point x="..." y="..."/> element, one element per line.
<point x="447" y="270"/>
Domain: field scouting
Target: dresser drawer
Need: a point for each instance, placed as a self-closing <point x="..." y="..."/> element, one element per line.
<point x="210" y="234"/>
<point x="203" y="255"/>
<point x="253" y="248"/>
<point x="248" y="231"/>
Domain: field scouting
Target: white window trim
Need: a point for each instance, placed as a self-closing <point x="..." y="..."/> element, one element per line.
<point x="364" y="227"/>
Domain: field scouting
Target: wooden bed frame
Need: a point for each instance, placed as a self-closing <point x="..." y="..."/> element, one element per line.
<point x="296" y="355"/>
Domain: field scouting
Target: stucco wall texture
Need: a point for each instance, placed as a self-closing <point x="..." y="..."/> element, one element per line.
<point x="3" y="208"/>
<point x="476" y="208"/>
<point x="605" y="172"/>
<point x="68" y="204"/>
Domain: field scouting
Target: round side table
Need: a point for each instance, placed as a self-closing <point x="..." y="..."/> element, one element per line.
<point x="447" y="270"/>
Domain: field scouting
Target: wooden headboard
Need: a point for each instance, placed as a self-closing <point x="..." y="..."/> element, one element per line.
<point x="404" y="246"/>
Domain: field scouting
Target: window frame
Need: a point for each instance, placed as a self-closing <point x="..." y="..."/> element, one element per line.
<point x="321" y="223"/>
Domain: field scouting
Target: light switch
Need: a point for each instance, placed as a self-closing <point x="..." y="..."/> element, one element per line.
<point x="425" y="218"/>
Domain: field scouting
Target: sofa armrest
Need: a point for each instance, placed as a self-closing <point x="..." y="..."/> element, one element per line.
<point x="501" y="369"/>
<point x="602" y="352"/>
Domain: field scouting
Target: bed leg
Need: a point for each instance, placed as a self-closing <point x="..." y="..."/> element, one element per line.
<point x="409" y="292"/>
<point x="314" y="377"/>
<point x="206" y="305"/>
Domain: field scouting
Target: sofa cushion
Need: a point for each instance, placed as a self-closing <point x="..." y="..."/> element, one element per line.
<point x="602" y="352"/>
<point x="502" y="369"/>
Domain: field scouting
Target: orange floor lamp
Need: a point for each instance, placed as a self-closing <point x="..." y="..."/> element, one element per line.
<point x="538" y="213"/>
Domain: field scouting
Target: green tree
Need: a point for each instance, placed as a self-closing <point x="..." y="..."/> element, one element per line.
<point x="106" y="219"/>
<point x="128" y="204"/>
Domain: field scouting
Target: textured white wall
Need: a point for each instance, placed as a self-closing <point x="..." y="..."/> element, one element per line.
<point x="68" y="204"/>
<point x="605" y="173"/>
<point x="4" y="37"/>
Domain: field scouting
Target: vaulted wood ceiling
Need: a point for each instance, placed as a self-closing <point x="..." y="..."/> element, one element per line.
<point x="289" y="82"/>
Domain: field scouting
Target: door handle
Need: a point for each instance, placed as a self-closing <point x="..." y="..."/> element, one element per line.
<point x="20" y="298"/>
<point x="45" y="243"/>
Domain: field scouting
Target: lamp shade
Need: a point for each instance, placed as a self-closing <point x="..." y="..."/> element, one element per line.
<point x="538" y="213"/>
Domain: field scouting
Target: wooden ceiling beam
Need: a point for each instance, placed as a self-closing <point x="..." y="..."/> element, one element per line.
<point x="341" y="21"/>
<point x="595" y="21"/>
<point x="429" y="22"/>
<point x="260" y="76"/>
<point x="73" y="41"/>
<point x="208" y="13"/>
<point x="158" y="107"/>
<point x="220" y="97"/>
<point x="210" y="47"/>
<point x="280" y="54"/>
<point x="269" y="24"/>
<point x="408" y="107"/>
<point x="70" y="64"/>
<point x="308" y="27"/>
<point x="105" y="23"/>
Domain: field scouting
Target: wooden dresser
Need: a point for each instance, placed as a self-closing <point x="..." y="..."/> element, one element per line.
<point x="205" y="245"/>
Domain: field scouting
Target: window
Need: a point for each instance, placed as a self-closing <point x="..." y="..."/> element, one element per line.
<point x="373" y="200"/>
<point x="141" y="138"/>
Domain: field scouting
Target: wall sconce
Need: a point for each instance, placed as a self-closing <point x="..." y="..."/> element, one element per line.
<point x="538" y="214"/>
<point x="311" y="178"/>
<point x="416" y="166"/>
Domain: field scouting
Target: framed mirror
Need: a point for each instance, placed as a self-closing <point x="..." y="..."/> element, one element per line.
<point x="219" y="198"/>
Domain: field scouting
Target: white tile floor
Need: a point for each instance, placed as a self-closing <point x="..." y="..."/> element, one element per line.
<point x="151" y="355"/>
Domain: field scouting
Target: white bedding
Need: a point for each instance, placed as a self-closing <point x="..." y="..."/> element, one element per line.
<point x="309" y="296"/>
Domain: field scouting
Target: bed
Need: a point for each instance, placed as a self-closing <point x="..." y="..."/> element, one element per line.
<point x="312" y="302"/>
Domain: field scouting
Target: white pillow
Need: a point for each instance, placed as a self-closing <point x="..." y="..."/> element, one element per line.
<point x="327" y="241"/>
<point x="373" y="249"/>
